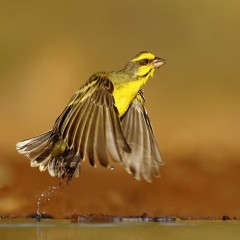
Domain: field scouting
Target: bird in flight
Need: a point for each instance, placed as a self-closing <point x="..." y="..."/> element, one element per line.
<point x="105" y="121"/>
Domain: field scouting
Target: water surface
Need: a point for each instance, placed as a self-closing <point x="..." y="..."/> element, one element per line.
<point x="64" y="229"/>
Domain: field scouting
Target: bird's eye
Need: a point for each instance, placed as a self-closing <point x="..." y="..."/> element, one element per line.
<point x="145" y="61"/>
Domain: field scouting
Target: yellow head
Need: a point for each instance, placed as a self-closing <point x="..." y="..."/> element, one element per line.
<point x="143" y="65"/>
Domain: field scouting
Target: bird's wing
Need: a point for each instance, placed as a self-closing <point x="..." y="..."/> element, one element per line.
<point x="90" y="124"/>
<point x="145" y="157"/>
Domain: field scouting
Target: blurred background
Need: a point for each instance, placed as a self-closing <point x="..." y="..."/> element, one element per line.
<point x="48" y="49"/>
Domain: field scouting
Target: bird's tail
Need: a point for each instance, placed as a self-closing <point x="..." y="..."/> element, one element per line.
<point x="48" y="151"/>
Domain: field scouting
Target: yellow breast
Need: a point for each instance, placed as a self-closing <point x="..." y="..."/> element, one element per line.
<point x="124" y="94"/>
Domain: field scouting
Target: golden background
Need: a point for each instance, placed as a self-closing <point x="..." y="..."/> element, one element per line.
<point x="48" y="49"/>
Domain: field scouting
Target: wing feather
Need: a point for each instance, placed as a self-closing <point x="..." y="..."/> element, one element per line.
<point x="145" y="157"/>
<point x="90" y="124"/>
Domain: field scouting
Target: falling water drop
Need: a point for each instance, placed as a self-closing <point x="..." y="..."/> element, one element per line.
<point x="44" y="198"/>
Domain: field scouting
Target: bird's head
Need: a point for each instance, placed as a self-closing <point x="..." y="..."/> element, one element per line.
<point x="143" y="65"/>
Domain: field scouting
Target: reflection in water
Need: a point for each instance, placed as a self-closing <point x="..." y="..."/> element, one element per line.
<point x="65" y="229"/>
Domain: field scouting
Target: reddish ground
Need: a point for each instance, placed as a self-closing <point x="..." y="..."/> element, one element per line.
<point x="185" y="189"/>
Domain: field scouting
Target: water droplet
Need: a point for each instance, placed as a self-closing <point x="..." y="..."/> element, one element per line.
<point x="44" y="198"/>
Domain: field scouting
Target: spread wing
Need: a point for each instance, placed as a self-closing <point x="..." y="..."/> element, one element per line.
<point x="145" y="157"/>
<point x="90" y="124"/>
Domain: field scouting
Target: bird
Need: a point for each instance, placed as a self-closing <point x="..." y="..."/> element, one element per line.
<point x="104" y="122"/>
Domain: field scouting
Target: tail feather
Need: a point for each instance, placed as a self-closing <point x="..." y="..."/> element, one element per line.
<point x="39" y="150"/>
<point x="32" y="144"/>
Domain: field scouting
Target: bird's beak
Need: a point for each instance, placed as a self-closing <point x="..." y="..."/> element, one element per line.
<point x="158" y="62"/>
